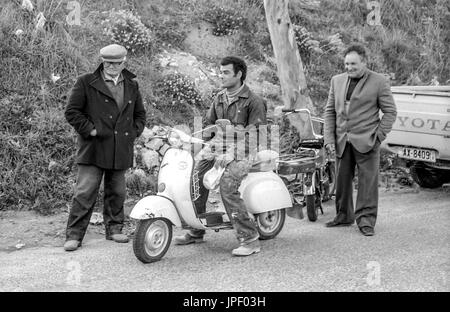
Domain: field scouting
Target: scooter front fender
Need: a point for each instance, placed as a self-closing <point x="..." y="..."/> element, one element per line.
<point x="156" y="206"/>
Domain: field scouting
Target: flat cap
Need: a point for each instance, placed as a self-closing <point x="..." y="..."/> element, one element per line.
<point x="113" y="53"/>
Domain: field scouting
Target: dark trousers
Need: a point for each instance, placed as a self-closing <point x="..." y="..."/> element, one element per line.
<point x="86" y="192"/>
<point x="365" y="212"/>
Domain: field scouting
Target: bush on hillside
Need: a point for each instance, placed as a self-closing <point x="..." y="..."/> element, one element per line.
<point x="177" y="96"/>
<point x="179" y="89"/>
<point x="125" y="28"/>
<point x="226" y="21"/>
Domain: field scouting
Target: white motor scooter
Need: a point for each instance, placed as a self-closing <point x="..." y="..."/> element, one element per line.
<point x="264" y="193"/>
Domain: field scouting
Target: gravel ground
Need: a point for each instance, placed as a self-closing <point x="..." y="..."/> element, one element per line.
<point x="410" y="252"/>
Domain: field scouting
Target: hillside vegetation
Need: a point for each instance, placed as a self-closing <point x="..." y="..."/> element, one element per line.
<point x="174" y="47"/>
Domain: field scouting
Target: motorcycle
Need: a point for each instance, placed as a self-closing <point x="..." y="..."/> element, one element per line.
<point x="264" y="193"/>
<point x="309" y="172"/>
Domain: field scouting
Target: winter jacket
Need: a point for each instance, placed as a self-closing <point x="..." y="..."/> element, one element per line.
<point x="91" y="105"/>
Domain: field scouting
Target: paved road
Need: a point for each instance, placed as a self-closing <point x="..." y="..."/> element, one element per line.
<point x="410" y="252"/>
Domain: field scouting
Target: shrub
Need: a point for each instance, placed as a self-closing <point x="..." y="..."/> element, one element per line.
<point x="125" y="28"/>
<point x="176" y="99"/>
<point x="179" y="89"/>
<point x="305" y="43"/>
<point x="226" y="21"/>
<point x="401" y="58"/>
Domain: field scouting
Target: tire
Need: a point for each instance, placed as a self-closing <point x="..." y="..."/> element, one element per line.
<point x="270" y="223"/>
<point x="311" y="207"/>
<point x="426" y="177"/>
<point x="152" y="239"/>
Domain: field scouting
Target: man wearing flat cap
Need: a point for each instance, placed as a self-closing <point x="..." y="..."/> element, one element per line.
<point x="105" y="109"/>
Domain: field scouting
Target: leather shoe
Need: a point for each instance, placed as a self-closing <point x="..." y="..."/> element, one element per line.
<point x="367" y="231"/>
<point x="335" y="223"/>
<point x="187" y="239"/>
<point x="118" y="238"/>
<point x="72" y="245"/>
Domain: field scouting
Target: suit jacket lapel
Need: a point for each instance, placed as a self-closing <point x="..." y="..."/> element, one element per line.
<point x="343" y="87"/>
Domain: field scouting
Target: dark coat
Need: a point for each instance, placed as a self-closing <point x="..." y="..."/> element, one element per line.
<point x="91" y="105"/>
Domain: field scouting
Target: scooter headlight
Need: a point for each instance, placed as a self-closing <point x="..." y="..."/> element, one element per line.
<point x="174" y="139"/>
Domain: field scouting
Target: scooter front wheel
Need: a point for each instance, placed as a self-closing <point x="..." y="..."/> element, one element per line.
<point x="152" y="239"/>
<point x="270" y="223"/>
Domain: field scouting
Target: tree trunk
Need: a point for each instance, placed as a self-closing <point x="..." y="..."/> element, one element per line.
<point x="289" y="64"/>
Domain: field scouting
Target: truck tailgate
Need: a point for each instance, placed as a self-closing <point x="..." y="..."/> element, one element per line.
<point x="423" y="122"/>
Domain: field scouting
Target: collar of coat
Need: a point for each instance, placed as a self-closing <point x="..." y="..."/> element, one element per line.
<point x="125" y="73"/>
<point x="245" y="93"/>
<point x="364" y="76"/>
<point x="98" y="82"/>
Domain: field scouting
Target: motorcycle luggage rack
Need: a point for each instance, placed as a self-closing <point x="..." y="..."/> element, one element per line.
<point x="297" y="162"/>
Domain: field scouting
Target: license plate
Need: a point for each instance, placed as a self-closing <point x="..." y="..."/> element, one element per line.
<point x="418" y="154"/>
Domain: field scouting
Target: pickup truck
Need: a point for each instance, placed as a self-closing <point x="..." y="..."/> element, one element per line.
<point x="421" y="132"/>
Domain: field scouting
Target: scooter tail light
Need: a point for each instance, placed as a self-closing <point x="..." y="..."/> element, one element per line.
<point x="161" y="187"/>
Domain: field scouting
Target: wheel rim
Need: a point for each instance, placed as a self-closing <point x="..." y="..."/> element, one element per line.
<point x="156" y="238"/>
<point x="269" y="221"/>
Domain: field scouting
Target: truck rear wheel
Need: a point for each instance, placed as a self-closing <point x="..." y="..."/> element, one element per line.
<point x="426" y="176"/>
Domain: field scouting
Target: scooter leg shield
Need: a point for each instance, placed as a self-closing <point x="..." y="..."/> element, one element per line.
<point x="156" y="207"/>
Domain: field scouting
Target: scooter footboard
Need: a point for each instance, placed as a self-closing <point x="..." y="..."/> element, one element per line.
<point x="155" y="206"/>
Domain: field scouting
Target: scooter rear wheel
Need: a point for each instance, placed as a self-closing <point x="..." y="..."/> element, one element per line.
<point x="152" y="239"/>
<point x="270" y="223"/>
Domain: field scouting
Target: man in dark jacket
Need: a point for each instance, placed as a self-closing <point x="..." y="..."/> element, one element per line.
<point x="105" y="108"/>
<point x="245" y="111"/>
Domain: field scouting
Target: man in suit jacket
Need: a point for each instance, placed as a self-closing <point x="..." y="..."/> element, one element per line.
<point x="354" y="131"/>
<point x="105" y="109"/>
